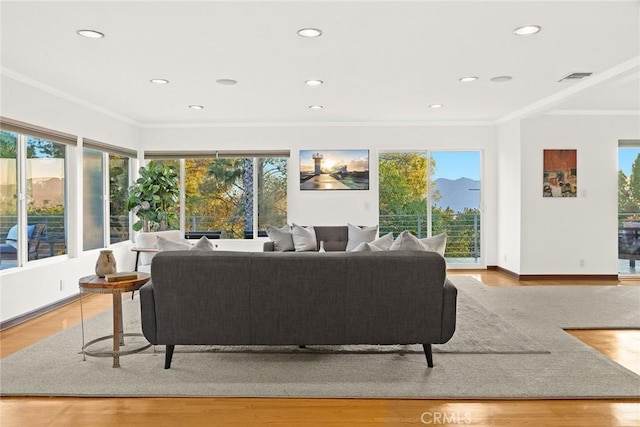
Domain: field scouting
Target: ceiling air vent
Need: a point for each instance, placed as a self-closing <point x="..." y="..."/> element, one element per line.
<point x="575" y="76"/>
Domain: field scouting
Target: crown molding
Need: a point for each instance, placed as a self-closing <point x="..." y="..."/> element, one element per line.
<point x="315" y="124"/>
<point x="594" y="113"/>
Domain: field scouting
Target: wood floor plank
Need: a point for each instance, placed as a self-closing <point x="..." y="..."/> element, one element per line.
<point x="622" y="346"/>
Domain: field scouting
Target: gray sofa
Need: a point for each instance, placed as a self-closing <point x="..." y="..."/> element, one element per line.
<point x="298" y="298"/>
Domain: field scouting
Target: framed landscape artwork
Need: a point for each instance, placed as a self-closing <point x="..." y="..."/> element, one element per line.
<point x="334" y="169"/>
<point x="559" y="173"/>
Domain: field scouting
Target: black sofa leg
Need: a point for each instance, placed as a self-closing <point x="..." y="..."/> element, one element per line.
<point x="428" y="354"/>
<point x="168" y="356"/>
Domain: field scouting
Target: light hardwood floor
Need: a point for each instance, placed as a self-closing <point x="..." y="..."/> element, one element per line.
<point x="623" y="346"/>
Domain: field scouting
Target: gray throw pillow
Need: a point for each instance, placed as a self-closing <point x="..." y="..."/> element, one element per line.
<point x="437" y="243"/>
<point x="367" y="247"/>
<point x="407" y="242"/>
<point x="384" y="242"/>
<point x="282" y="238"/>
<point x="359" y="235"/>
<point x="304" y="238"/>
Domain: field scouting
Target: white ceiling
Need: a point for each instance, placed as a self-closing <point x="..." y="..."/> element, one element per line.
<point x="381" y="61"/>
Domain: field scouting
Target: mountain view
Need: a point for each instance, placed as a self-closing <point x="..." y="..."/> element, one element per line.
<point x="458" y="194"/>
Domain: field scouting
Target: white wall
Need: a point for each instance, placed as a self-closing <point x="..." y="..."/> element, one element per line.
<point x="509" y="204"/>
<point x="557" y="233"/>
<point x="39" y="283"/>
<point x="340" y="207"/>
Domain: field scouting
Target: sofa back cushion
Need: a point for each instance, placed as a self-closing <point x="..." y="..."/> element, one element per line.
<point x="293" y="298"/>
<point x="335" y="238"/>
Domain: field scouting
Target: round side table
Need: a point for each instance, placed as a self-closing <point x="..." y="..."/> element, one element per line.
<point x="99" y="285"/>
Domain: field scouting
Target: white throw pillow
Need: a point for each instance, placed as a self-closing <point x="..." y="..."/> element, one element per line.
<point x="359" y="235"/>
<point x="171" y="245"/>
<point x="437" y="243"/>
<point x="384" y="242"/>
<point x="407" y="242"/>
<point x="367" y="247"/>
<point x="282" y="238"/>
<point x="203" y="244"/>
<point x="166" y="245"/>
<point x="304" y="238"/>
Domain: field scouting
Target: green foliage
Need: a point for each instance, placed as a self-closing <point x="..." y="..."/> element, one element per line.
<point x="272" y="192"/>
<point x="42" y="148"/>
<point x="8" y="145"/>
<point x="629" y="190"/>
<point x="154" y="198"/>
<point x="403" y="183"/>
<point x="118" y="194"/>
<point x="403" y="205"/>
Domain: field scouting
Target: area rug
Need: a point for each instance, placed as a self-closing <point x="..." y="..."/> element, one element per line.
<point x="551" y="365"/>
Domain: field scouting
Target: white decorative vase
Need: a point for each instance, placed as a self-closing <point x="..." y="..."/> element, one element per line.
<point x="106" y="263"/>
<point x="321" y="246"/>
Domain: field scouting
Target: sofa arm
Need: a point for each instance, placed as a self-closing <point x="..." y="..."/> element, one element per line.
<point x="449" y="304"/>
<point x="148" y="313"/>
<point x="268" y="246"/>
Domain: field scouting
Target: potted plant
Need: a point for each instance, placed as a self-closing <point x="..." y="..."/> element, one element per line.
<point x="154" y="197"/>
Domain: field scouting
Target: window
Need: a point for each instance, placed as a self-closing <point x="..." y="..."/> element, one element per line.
<point x="92" y="200"/>
<point x="272" y="191"/>
<point x="628" y="206"/>
<point x="428" y="193"/>
<point x="219" y="195"/>
<point x="33" y="180"/>
<point x="105" y="218"/>
<point x="8" y="199"/>
<point x="46" y="195"/>
<point x="232" y="196"/>
<point x="118" y="185"/>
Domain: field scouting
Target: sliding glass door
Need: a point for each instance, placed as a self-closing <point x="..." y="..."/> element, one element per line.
<point x="628" y="207"/>
<point x="432" y="192"/>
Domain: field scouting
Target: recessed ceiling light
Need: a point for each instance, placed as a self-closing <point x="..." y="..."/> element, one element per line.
<point x="309" y="32"/>
<point x="500" y="79"/>
<point x="159" y="81"/>
<point x="92" y="34"/>
<point x="196" y="107"/>
<point x="527" y="30"/>
<point x="314" y="82"/>
<point x="468" y="79"/>
<point x="316" y="107"/>
<point x="226" y="82"/>
<point x="436" y="106"/>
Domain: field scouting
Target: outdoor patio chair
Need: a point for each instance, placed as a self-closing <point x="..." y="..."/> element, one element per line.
<point x="9" y="249"/>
